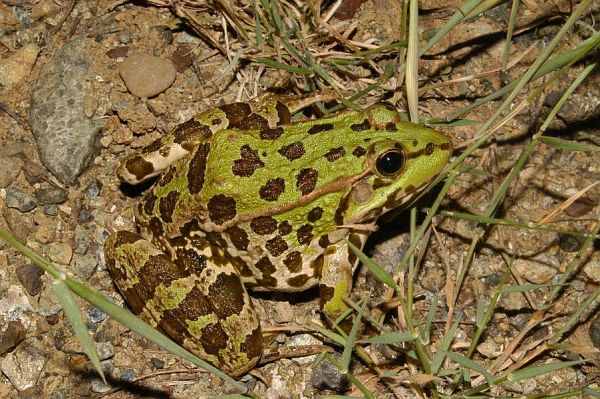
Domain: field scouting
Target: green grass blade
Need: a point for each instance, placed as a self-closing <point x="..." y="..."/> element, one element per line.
<point x="471" y="365"/>
<point x="349" y="345"/>
<point x="439" y="356"/>
<point x="568" y="145"/>
<point x="534" y="371"/>
<point x="389" y="338"/>
<point x="379" y="272"/>
<point x="72" y="311"/>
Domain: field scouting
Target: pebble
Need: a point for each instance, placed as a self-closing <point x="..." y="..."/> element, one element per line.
<point x="146" y="75"/>
<point x="24" y="365"/>
<point x="84" y="216"/>
<point x="537" y="271"/>
<point x="283" y="312"/>
<point x="19" y="224"/>
<point x="96" y="315"/>
<point x="326" y="376"/>
<point x="67" y="140"/>
<point x="10" y="167"/>
<point x="93" y="188"/>
<point x="592" y="270"/>
<point x="580" y="207"/>
<point x="51" y="195"/>
<point x="47" y="304"/>
<point x="82" y="241"/>
<point x="51" y="209"/>
<point x="85" y="266"/>
<point x="569" y="243"/>
<point x="60" y="253"/>
<point x="45" y="233"/>
<point x="17" y="67"/>
<point x="20" y="200"/>
<point x="30" y="278"/>
<point x="105" y="350"/>
<point x="11" y="336"/>
<point x="15" y="305"/>
<point x="182" y="57"/>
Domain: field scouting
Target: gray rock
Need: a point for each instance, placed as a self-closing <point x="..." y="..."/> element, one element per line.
<point x="105" y="350"/>
<point x="30" y="278"/>
<point x="24" y="365"/>
<point x="326" y="376"/>
<point x="20" y="200"/>
<point x="67" y="140"/>
<point x="51" y="195"/>
<point x="85" y="266"/>
<point x="51" y="209"/>
<point x="93" y="188"/>
<point x="95" y="314"/>
<point x="146" y="75"/>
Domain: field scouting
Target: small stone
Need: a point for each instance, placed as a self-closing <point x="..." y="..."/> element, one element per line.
<point x="10" y="167"/>
<point x="51" y="209"/>
<point x="85" y="266"/>
<point x="85" y="216"/>
<point x="47" y="304"/>
<point x="118" y="52"/>
<point x="282" y="312"/>
<point x="182" y="57"/>
<point x="90" y="105"/>
<point x="20" y="200"/>
<point x="326" y="376"/>
<point x="60" y="253"/>
<point x="93" y="188"/>
<point x="24" y="365"/>
<point x="30" y="278"/>
<point x="95" y="314"/>
<point x="11" y="336"/>
<point x="580" y="207"/>
<point x="51" y="195"/>
<point x="82" y="241"/>
<point x="157" y="363"/>
<point x="17" y="67"/>
<point x="45" y="233"/>
<point x="537" y="271"/>
<point x="592" y="270"/>
<point x="105" y="350"/>
<point x="569" y="243"/>
<point x="146" y="75"/>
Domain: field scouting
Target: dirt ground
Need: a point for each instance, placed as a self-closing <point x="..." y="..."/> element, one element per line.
<point x="68" y="222"/>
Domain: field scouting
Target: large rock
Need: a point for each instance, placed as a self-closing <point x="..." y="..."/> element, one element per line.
<point x="67" y="140"/>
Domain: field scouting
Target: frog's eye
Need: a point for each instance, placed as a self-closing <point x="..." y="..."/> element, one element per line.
<point x="390" y="162"/>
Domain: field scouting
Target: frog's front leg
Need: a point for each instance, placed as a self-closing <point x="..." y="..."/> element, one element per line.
<point x="339" y="263"/>
<point x="202" y="305"/>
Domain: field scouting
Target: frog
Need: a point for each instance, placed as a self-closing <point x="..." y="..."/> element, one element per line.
<point x="247" y="199"/>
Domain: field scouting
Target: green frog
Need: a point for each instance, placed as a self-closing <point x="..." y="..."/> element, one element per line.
<point x="249" y="200"/>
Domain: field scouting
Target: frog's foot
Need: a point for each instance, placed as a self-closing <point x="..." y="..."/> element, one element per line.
<point x="203" y="306"/>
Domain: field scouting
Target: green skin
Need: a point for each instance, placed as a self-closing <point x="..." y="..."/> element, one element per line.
<point x="250" y="200"/>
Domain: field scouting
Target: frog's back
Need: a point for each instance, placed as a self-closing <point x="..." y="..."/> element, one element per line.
<point x="274" y="198"/>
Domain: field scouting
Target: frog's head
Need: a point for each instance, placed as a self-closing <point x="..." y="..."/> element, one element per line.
<point x="398" y="166"/>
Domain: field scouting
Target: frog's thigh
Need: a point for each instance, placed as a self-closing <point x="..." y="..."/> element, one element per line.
<point x="202" y="306"/>
<point x="336" y="276"/>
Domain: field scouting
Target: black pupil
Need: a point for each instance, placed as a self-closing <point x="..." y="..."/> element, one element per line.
<point x="390" y="163"/>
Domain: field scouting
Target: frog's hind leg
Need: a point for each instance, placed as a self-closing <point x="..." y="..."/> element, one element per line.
<point x="203" y="306"/>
